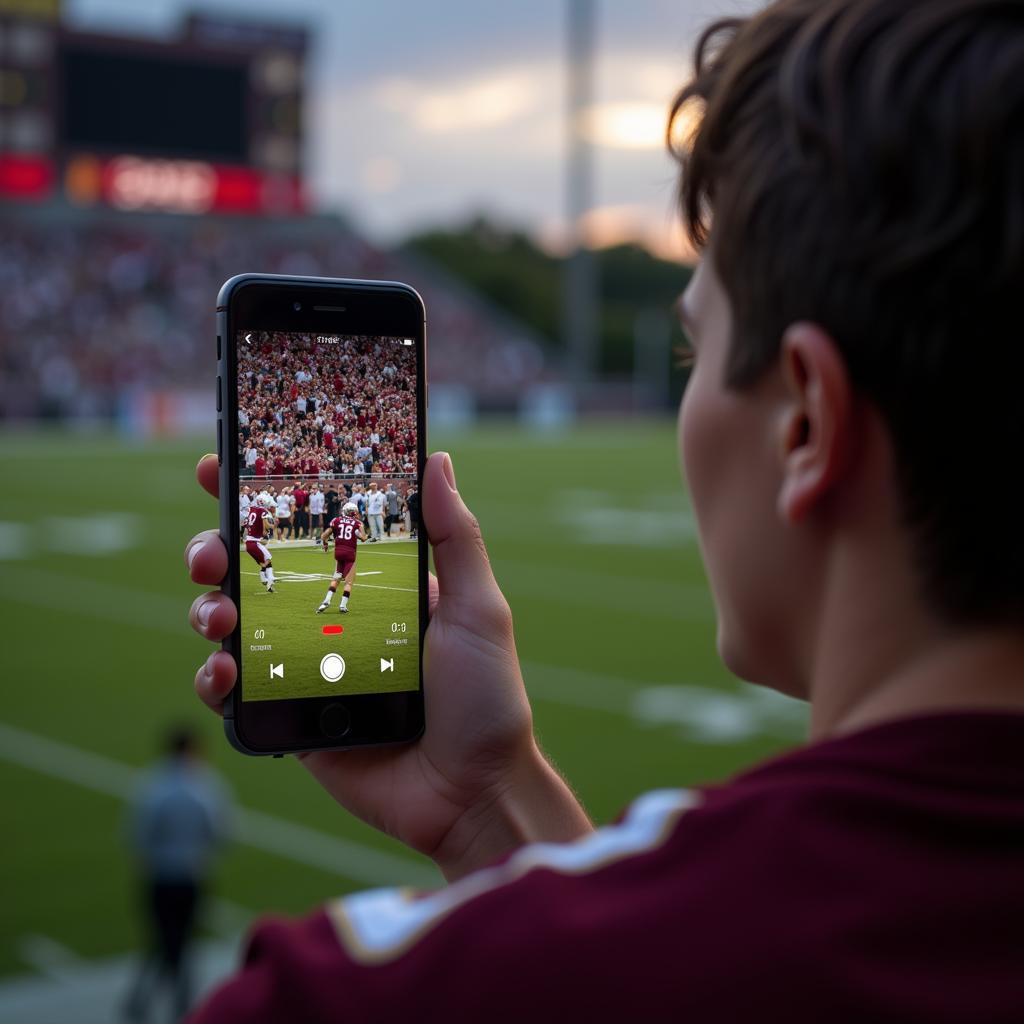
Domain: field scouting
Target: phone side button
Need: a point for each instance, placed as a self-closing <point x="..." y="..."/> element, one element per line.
<point x="334" y="721"/>
<point x="218" y="392"/>
<point x="220" y="444"/>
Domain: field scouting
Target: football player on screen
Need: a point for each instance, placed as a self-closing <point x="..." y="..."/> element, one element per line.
<point x="346" y="530"/>
<point x="259" y="527"/>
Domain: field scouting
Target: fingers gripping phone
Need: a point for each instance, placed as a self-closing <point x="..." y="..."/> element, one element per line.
<point x="321" y="399"/>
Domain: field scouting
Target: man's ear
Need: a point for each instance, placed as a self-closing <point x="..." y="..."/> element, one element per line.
<point x="816" y="432"/>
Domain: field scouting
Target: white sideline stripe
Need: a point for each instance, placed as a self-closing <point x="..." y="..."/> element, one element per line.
<point x="14" y="541"/>
<point x="343" y="857"/>
<point x="89" y="992"/>
<point x="48" y="956"/>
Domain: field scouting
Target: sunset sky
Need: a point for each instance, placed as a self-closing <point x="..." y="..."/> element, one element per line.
<point x="458" y="106"/>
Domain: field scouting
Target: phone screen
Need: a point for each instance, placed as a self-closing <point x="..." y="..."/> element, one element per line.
<point x="328" y="514"/>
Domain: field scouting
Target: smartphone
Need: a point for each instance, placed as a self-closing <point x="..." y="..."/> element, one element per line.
<point x="321" y="400"/>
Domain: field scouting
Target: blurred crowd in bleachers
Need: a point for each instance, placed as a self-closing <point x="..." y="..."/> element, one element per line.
<point x="94" y="308"/>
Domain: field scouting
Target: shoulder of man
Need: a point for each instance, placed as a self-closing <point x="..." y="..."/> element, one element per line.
<point x="720" y="902"/>
<point x="388" y="952"/>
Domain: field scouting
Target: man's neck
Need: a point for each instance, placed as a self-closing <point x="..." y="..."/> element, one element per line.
<point x="961" y="671"/>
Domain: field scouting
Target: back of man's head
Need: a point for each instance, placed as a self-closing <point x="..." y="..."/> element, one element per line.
<point x="860" y="164"/>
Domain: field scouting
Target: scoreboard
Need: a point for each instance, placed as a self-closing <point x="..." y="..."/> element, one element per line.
<point x="208" y="122"/>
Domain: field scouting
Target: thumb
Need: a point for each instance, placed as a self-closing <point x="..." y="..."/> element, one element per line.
<point x="460" y="557"/>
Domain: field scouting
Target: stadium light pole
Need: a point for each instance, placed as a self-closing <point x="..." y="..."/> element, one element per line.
<point x="579" y="288"/>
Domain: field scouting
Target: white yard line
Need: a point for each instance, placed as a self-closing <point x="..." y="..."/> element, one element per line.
<point x="47" y="956"/>
<point x="299" y="843"/>
<point x="377" y="586"/>
<point x="282" y="577"/>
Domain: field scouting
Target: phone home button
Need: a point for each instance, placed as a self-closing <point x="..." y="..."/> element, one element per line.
<point x="334" y="721"/>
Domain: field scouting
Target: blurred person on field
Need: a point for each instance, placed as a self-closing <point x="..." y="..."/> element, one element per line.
<point x="852" y="174"/>
<point x="177" y="824"/>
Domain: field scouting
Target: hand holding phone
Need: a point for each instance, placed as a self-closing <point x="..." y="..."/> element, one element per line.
<point x="474" y="786"/>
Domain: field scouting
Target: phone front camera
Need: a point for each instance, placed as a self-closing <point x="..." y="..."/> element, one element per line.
<point x="297" y="306"/>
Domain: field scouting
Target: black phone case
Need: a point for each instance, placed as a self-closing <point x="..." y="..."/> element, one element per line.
<point x="229" y="477"/>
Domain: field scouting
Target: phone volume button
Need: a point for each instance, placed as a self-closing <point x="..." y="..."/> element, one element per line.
<point x="220" y="445"/>
<point x="218" y="392"/>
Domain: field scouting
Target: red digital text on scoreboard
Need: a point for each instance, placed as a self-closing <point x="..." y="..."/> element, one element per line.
<point x="26" y="178"/>
<point x="180" y="186"/>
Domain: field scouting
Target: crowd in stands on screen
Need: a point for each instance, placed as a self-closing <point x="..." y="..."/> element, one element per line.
<point x="315" y="409"/>
<point x="299" y="509"/>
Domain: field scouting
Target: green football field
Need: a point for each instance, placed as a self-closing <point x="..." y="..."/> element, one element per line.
<point x="591" y="538"/>
<point x="282" y="630"/>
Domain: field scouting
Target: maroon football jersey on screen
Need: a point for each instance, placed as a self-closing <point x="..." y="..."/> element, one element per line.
<point x="346" y="532"/>
<point x="259" y="518"/>
<point x="873" y="877"/>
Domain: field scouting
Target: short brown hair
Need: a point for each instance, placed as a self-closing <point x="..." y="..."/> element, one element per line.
<point x="860" y="164"/>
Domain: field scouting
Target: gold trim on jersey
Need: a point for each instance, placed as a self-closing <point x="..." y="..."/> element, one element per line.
<point x="379" y="925"/>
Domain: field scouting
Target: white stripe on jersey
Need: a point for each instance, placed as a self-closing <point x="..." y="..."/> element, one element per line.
<point x="380" y="924"/>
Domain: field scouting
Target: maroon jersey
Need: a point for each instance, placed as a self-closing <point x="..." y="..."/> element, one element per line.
<point x="257" y="523"/>
<point x="346" y="531"/>
<point x="871" y="877"/>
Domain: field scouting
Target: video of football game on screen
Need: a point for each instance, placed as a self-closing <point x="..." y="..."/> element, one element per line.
<point x="328" y="514"/>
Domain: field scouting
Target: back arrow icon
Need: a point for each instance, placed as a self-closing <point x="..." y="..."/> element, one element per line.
<point x="248" y="338"/>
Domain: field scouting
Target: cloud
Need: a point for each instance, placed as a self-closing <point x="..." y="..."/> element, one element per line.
<point x="463" y="105"/>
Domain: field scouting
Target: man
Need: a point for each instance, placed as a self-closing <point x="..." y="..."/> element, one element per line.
<point x="285" y="503"/>
<point x="316" y="511"/>
<point x="375" y="512"/>
<point x="244" y="503"/>
<point x="358" y="498"/>
<point x="177" y="824"/>
<point x="330" y="502"/>
<point x="301" y="497"/>
<point x="412" y="503"/>
<point x="259" y="528"/>
<point x="851" y="436"/>
<point x="392" y="507"/>
<point x="346" y="530"/>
